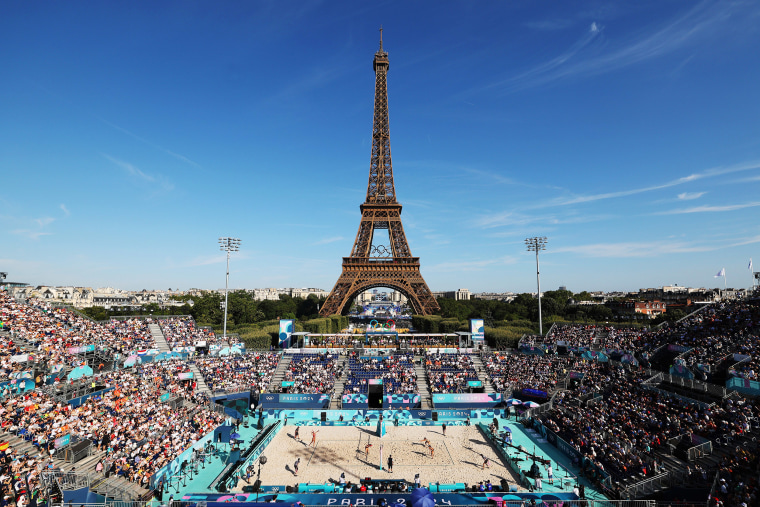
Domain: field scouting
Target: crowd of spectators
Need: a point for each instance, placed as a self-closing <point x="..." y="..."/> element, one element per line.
<point x="250" y="372"/>
<point x="312" y="373"/>
<point x="450" y="373"/>
<point x="183" y="332"/>
<point x="508" y="371"/>
<point x="133" y="333"/>
<point x="20" y="478"/>
<point x="621" y="430"/>
<point x="138" y="433"/>
<point x="575" y="335"/>
<point x="396" y="371"/>
<point x="52" y="331"/>
<point x="620" y="426"/>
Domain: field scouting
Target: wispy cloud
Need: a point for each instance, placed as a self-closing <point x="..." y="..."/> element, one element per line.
<point x="65" y="210"/>
<point x="511" y="218"/>
<point x="690" y="196"/>
<point x="493" y="177"/>
<point x="710" y="209"/>
<point x="583" y="59"/>
<point x="206" y="260"/>
<point x="472" y="265"/>
<point x="548" y="71"/>
<point x="631" y="249"/>
<point x="708" y="173"/>
<point x="139" y="175"/>
<point x="31" y="234"/>
<point x="551" y="25"/>
<point x="149" y="143"/>
<point x="42" y="222"/>
<point x="326" y="241"/>
<point x="318" y="77"/>
<point x="651" y="248"/>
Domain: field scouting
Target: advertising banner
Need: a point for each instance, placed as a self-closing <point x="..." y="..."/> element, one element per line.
<point x="185" y="376"/>
<point x="301" y="401"/>
<point x="478" y="330"/>
<point x="357" y="499"/>
<point x="286" y="331"/>
<point x="466" y="400"/>
<point x="61" y="441"/>
<point x="165" y="397"/>
<point x="81" y="350"/>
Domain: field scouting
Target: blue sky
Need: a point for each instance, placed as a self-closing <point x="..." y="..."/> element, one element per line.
<point x="134" y="134"/>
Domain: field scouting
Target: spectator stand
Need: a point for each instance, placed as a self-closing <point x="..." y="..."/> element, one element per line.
<point x="381" y="382"/>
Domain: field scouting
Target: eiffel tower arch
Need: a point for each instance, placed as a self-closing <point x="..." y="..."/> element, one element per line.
<point x="373" y="265"/>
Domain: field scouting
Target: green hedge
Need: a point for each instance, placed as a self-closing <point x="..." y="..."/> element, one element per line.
<point x="426" y="323"/>
<point x="449" y="325"/>
<point x="318" y="326"/>
<point x="505" y="337"/>
<point x="338" y="323"/>
<point x="258" y="341"/>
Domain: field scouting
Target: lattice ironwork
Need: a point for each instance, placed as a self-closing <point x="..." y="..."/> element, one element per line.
<point x="380" y="266"/>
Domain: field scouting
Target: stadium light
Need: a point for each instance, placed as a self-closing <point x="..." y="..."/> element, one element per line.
<point x="537" y="244"/>
<point x="228" y="245"/>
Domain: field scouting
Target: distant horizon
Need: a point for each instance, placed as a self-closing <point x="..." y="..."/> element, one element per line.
<point x="543" y="289"/>
<point x="135" y="135"/>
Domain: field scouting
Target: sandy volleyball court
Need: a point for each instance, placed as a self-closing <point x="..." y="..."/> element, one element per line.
<point x="341" y="449"/>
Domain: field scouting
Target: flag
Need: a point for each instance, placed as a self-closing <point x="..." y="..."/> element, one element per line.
<point x="750" y="264"/>
<point x="722" y="272"/>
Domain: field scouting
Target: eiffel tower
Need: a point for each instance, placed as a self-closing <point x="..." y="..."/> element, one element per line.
<point x="380" y="266"/>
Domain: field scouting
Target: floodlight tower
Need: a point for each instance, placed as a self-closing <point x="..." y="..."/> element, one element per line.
<point x="228" y="245"/>
<point x="537" y="244"/>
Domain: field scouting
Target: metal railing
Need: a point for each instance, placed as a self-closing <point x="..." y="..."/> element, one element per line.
<point x="694" y="312"/>
<point x="71" y="455"/>
<point x="648" y="485"/>
<point x="703" y="449"/>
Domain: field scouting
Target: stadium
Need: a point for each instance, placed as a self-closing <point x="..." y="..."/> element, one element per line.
<point x="160" y="410"/>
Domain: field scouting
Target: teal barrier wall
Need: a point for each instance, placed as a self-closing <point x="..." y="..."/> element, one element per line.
<point x="744" y="385"/>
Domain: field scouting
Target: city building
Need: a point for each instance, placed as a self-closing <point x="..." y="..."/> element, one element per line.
<point x="637" y="310"/>
<point x="458" y="295"/>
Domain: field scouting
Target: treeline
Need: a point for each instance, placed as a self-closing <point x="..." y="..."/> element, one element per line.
<point x="257" y="322"/>
<point x="208" y="309"/>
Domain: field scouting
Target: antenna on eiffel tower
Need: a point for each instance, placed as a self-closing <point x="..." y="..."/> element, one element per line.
<point x="381" y="38"/>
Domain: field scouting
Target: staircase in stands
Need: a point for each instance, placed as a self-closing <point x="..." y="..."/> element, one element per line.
<point x="163" y="346"/>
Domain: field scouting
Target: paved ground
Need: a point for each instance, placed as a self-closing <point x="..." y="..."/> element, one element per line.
<point x="457" y="456"/>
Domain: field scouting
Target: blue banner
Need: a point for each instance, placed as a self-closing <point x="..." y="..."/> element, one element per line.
<point x="277" y="400"/>
<point x="534" y="393"/>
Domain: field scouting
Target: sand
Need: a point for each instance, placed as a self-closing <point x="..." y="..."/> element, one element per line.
<point x="340" y="449"/>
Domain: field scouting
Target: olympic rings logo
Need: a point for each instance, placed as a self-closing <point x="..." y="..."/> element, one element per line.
<point x="388" y="326"/>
